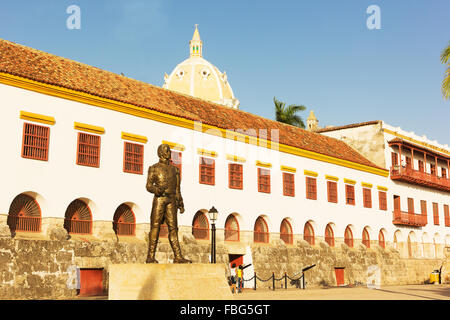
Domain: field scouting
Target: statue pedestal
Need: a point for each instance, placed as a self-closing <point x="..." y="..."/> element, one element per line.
<point x="194" y="281"/>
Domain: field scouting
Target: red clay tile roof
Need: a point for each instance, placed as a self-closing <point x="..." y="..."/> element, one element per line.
<point x="43" y="67"/>
<point x="353" y="125"/>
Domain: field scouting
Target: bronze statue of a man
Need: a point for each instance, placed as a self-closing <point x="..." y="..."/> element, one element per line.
<point x="164" y="182"/>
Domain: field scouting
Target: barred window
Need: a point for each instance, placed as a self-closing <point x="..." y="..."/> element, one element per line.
<point x="366" y="238"/>
<point x="308" y="233"/>
<point x="367" y="198"/>
<point x="260" y="231"/>
<point x="288" y="184"/>
<point x="286" y="232"/>
<point x="207" y="171"/>
<point x="88" y="150"/>
<point x="263" y="180"/>
<point x="381" y="241"/>
<point x="124" y="222"/>
<point x="24" y="214"/>
<point x="78" y="218"/>
<point x="235" y="176"/>
<point x="348" y="237"/>
<point x="35" y="141"/>
<point x="133" y="158"/>
<point x="311" y="188"/>
<point x="329" y="236"/>
<point x="200" y="226"/>
<point x="382" y="200"/>
<point x="231" y="229"/>
<point x="350" y="194"/>
<point x="332" y="191"/>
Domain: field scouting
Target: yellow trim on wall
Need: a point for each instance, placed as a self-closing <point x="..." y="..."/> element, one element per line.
<point x="145" y="113"/>
<point x="310" y="173"/>
<point x="286" y="168"/>
<point x="382" y="188"/>
<point x="88" y="127"/>
<point x="328" y="177"/>
<point x="231" y="157"/>
<point x="416" y="141"/>
<point x="134" y="137"/>
<point x="263" y="164"/>
<point x="35" y="117"/>
<point x="204" y="152"/>
<point x="349" y="181"/>
<point x="366" y="185"/>
<point x="174" y="145"/>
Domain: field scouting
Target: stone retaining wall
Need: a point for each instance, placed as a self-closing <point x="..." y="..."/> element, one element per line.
<point x="41" y="269"/>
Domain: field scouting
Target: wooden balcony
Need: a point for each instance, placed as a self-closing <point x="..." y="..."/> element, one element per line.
<point x="425" y="179"/>
<point x="409" y="219"/>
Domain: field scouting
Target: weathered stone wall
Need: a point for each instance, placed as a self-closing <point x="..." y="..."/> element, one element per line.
<point x="393" y="270"/>
<point x="41" y="268"/>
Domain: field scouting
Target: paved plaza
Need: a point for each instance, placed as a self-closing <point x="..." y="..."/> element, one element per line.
<point x="405" y="292"/>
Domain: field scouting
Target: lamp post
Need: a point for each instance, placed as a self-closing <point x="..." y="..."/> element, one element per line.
<point x="213" y="217"/>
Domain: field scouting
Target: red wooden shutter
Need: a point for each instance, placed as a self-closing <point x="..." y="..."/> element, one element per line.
<point x="382" y="199"/>
<point x="311" y="188"/>
<point x="350" y="194"/>
<point x="288" y="184"/>
<point x="332" y="191"/>
<point x="35" y="141"/>
<point x="88" y="150"/>
<point x="133" y="158"/>
<point x="367" y="197"/>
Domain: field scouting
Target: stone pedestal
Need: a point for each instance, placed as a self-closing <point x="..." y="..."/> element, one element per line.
<point x="168" y="282"/>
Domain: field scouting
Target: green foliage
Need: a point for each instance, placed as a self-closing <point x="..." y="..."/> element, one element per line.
<point x="445" y="59"/>
<point x="288" y="114"/>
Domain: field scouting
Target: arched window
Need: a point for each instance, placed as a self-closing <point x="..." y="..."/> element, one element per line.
<point x="286" y="232"/>
<point x="366" y="238"/>
<point x="381" y="240"/>
<point x="124" y="222"/>
<point x="410" y="246"/>
<point x="261" y="231"/>
<point x="348" y="237"/>
<point x="200" y="226"/>
<point x="231" y="229"/>
<point x="329" y="235"/>
<point x="308" y="233"/>
<point x="24" y="214"/>
<point x="78" y="218"/>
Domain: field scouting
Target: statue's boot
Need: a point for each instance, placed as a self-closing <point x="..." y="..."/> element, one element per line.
<point x="173" y="239"/>
<point x="152" y="243"/>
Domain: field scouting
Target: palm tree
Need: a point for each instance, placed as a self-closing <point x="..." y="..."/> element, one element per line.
<point x="445" y="58"/>
<point x="288" y="114"/>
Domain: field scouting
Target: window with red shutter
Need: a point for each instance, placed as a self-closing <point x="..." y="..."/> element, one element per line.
<point x="435" y="213"/>
<point x="286" y="232"/>
<point x="263" y="180"/>
<point x="88" y="150"/>
<point x="332" y="191"/>
<point x="231" y="229"/>
<point x="133" y="158"/>
<point x="382" y="200"/>
<point x="410" y="205"/>
<point x="350" y="194"/>
<point x="207" y="171"/>
<point x="235" y="176"/>
<point x="421" y="166"/>
<point x="35" y="141"/>
<point x="394" y="158"/>
<point x="288" y="184"/>
<point x="200" y="226"/>
<point x="446" y="215"/>
<point x="329" y="236"/>
<point x="311" y="188"/>
<point x="348" y="237"/>
<point x="381" y="241"/>
<point x="367" y="198"/>
<point x="261" y="231"/>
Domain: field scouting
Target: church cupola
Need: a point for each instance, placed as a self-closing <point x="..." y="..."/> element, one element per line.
<point x="196" y="44"/>
<point x="312" y="123"/>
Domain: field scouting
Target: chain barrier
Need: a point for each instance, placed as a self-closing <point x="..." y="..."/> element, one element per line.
<point x="294" y="281"/>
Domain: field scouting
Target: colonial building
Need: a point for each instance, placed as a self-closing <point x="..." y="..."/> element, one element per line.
<point x="78" y="141"/>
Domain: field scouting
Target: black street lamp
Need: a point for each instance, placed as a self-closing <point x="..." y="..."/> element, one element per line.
<point x="213" y="217"/>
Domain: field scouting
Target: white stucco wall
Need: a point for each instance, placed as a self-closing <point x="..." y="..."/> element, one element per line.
<point x="59" y="180"/>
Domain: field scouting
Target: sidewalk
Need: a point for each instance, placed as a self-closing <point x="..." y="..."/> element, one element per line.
<point x="406" y="292"/>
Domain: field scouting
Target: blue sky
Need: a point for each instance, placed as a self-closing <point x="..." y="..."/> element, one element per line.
<point x="316" y="53"/>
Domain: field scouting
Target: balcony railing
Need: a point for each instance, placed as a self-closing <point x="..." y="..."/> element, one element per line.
<point x="409" y="219"/>
<point x="418" y="177"/>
